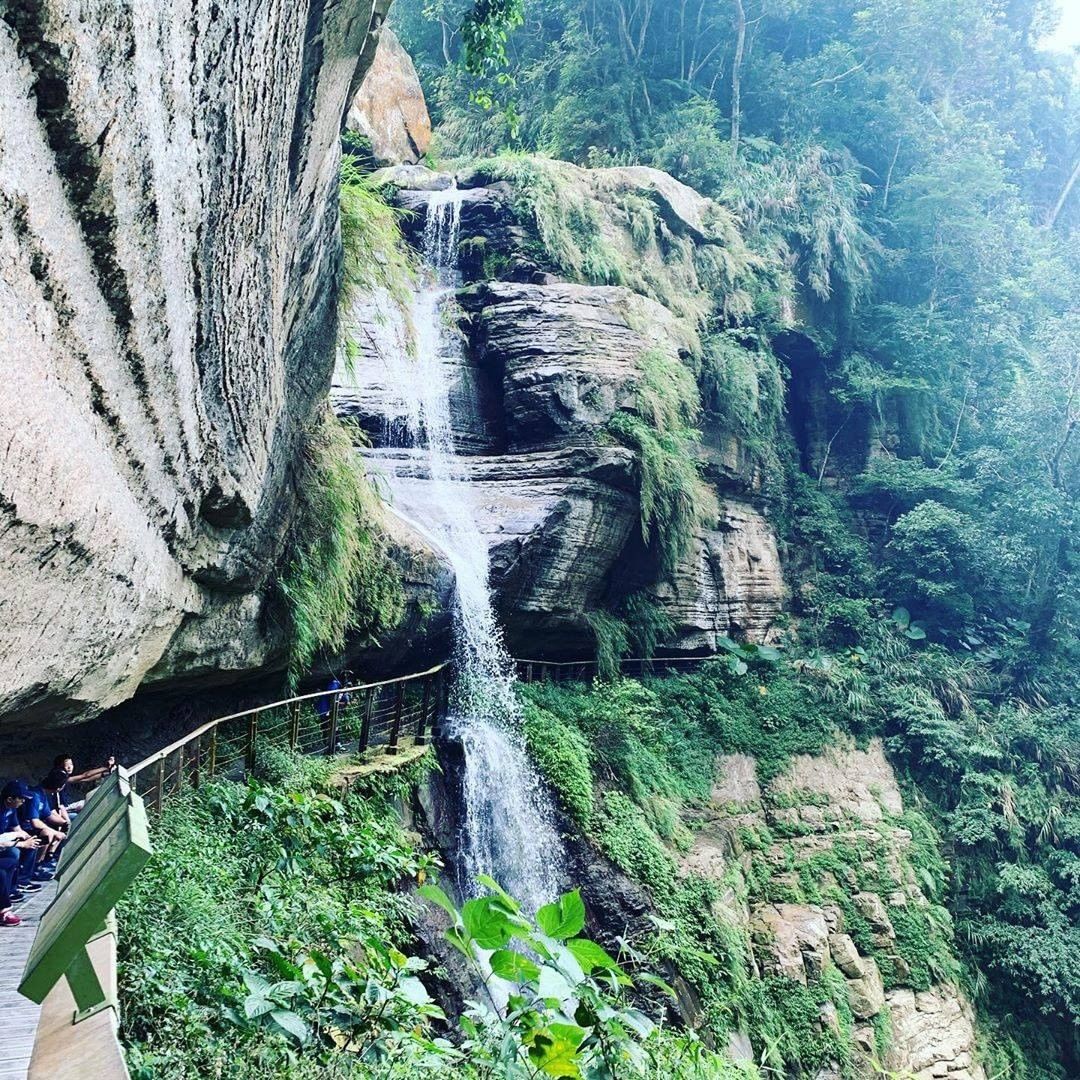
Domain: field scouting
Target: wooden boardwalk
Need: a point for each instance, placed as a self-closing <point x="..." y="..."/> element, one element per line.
<point x="20" y="1016"/>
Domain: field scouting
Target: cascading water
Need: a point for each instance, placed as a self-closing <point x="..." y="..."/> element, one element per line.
<point x="508" y="830"/>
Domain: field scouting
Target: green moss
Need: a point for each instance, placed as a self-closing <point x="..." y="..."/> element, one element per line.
<point x="562" y="753"/>
<point x="340" y="575"/>
<point x="612" y="642"/>
<point x="591" y="228"/>
<point x="626" y="837"/>
<point x="376" y="255"/>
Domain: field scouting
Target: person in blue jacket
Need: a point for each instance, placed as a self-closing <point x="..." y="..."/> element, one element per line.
<point x="13" y="798"/>
<point x="324" y="703"/>
<point x="9" y="892"/>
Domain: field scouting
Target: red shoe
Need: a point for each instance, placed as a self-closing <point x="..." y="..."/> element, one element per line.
<point x="8" y="919"/>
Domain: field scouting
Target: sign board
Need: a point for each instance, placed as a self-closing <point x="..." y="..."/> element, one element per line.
<point x="108" y="846"/>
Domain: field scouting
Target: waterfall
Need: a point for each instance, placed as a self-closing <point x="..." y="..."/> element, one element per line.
<point x="508" y="829"/>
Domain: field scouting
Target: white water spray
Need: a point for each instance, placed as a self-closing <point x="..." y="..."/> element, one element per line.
<point x="508" y="829"/>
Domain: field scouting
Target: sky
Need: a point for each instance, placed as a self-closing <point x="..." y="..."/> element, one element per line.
<point x="1067" y="34"/>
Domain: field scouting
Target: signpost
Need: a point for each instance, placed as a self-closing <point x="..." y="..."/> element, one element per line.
<point x="108" y="846"/>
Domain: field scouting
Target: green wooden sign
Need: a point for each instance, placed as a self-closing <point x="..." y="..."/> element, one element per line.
<point x="108" y="847"/>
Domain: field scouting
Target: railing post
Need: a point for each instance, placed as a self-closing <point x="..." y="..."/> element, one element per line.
<point x="198" y="762"/>
<point x="249" y="750"/>
<point x="365" y="724"/>
<point x="160" y="793"/>
<point x="213" y="749"/>
<point x="442" y="705"/>
<point x="294" y="724"/>
<point x="180" y="769"/>
<point x="421" y="726"/>
<point x="331" y="735"/>
<point x="395" y="730"/>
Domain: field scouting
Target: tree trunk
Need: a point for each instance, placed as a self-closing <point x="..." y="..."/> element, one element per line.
<point x="736" y="75"/>
<point x="1063" y="197"/>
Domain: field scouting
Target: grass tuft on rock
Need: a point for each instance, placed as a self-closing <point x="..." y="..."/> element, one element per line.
<point x="341" y="576"/>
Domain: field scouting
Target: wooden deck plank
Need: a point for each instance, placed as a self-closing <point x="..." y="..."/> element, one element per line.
<point x="21" y="1016"/>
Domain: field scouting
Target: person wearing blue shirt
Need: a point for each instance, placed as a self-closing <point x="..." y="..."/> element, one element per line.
<point x="12" y="834"/>
<point x="9" y="893"/>
<point x="324" y="704"/>
<point x="36" y="817"/>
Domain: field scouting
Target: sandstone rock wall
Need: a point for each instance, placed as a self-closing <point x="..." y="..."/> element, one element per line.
<point x="846" y="800"/>
<point x="169" y="260"/>
<point x="389" y="106"/>
<point x="548" y="366"/>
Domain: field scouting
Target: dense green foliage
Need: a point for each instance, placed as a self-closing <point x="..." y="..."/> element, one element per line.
<point x="340" y="576"/>
<point x="636" y="771"/>
<point x="903" y="179"/>
<point x="270" y="936"/>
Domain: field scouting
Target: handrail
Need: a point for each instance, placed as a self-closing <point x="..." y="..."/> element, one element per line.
<point x="411" y="711"/>
<point x="385" y="714"/>
<point x="298" y="699"/>
<point x="592" y="661"/>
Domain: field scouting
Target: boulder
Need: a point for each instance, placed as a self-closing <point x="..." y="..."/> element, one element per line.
<point x="685" y="211"/>
<point x="866" y="994"/>
<point x="413" y="178"/>
<point x="872" y="908"/>
<point x="845" y="956"/>
<point x="791" y="939"/>
<point x="171" y="258"/>
<point x="554" y="523"/>
<point x="933" y="1035"/>
<point x="389" y="106"/>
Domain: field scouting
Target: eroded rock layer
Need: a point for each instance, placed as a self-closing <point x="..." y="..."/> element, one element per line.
<point x="547" y="366"/>
<point x="169" y="262"/>
<point x="819" y="870"/>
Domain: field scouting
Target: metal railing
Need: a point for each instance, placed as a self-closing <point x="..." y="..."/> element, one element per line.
<point x="531" y="671"/>
<point x="384" y="716"/>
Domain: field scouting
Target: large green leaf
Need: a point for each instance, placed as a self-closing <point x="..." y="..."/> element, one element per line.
<point x="437" y="896"/>
<point x="486" y="923"/>
<point x="555" y="1050"/>
<point x="511" y="965"/>
<point x="290" y="1023"/>
<point x="563" y="919"/>
<point x="591" y="956"/>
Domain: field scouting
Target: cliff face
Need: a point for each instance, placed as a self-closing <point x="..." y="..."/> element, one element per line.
<point x="548" y="366"/>
<point x="821" y="869"/>
<point x="169" y="261"/>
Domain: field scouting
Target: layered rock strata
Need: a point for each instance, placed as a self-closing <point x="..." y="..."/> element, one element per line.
<point x="169" y="263"/>
<point x="548" y="365"/>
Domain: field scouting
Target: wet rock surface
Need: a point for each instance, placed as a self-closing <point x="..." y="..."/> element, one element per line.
<point x="547" y="366"/>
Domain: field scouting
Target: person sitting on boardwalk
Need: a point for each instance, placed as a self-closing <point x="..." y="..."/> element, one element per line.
<point x="12" y="834"/>
<point x="65" y="764"/>
<point x="9" y="892"/>
<point x="38" y="818"/>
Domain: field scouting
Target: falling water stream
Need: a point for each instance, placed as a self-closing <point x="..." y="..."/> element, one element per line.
<point x="508" y="829"/>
